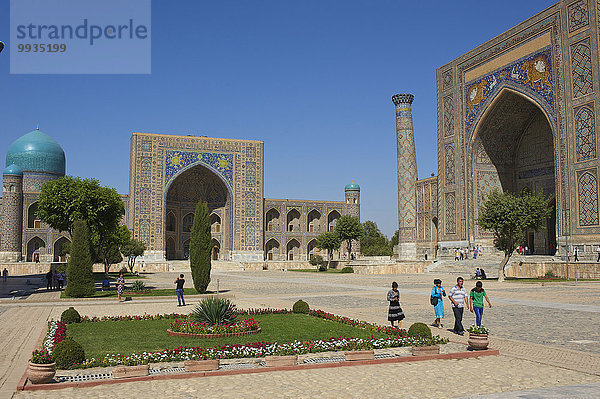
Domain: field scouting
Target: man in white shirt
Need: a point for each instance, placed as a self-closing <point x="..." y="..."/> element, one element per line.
<point x="458" y="297"/>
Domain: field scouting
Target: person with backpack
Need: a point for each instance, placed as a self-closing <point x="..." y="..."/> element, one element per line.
<point x="437" y="301"/>
<point x="476" y="304"/>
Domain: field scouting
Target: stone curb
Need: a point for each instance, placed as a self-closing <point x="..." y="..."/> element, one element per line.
<point x="404" y="359"/>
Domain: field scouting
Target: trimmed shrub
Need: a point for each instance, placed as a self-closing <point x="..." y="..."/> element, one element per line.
<point x="70" y="316"/>
<point x="300" y="307"/>
<point x="200" y="248"/>
<point x="347" y="269"/>
<point x="67" y="353"/>
<point x="213" y="311"/>
<point x="138" y="286"/>
<point x="419" y="330"/>
<point x="80" y="278"/>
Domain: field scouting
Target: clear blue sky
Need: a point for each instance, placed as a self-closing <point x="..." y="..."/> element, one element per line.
<point x="312" y="79"/>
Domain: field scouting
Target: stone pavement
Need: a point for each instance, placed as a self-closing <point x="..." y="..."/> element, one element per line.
<point x="547" y="335"/>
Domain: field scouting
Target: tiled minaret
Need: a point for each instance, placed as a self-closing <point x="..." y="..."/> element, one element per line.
<point x="11" y="214"/>
<point x="407" y="178"/>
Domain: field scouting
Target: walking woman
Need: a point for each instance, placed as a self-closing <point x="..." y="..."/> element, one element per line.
<point x="395" y="311"/>
<point x="436" y="295"/>
<point x="120" y="286"/>
<point x="477" y="295"/>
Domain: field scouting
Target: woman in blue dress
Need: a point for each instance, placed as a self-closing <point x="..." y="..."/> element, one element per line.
<point x="438" y="292"/>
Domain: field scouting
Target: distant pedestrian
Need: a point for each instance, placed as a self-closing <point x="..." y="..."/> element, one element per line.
<point x="61" y="280"/>
<point x="476" y="305"/>
<point x="180" y="281"/>
<point x="438" y="292"/>
<point x="575" y="254"/>
<point x="458" y="297"/>
<point x="426" y="254"/>
<point x="5" y="274"/>
<point x="54" y="279"/>
<point x="49" y="280"/>
<point x="120" y="286"/>
<point x="456" y="254"/>
<point x="598" y="252"/>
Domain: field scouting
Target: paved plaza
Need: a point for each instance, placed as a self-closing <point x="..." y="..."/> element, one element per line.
<point x="547" y="335"/>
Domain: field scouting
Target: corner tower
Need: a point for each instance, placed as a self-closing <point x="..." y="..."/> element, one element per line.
<point x="352" y="196"/>
<point x="407" y="177"/>
<point x="12" y="214"/>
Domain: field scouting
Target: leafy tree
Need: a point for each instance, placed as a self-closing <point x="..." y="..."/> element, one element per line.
<point x="395" y="239"/>
<point x="509" y="215"/>
<point x="110" y="252"/>
<point x="80" y="277"/>
<point x="68" y="199"/>
<point x="329" y="241"/>
<point x="348" y="228"/>
<point x="200" y="246"/>
<point x="374" y="242"/>
<point x="132" y="248"/>
<point x="317" y="260"/>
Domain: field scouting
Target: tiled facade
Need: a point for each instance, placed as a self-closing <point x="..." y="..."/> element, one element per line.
<point x="520" y="111"/>
<point x="168" y="176"/>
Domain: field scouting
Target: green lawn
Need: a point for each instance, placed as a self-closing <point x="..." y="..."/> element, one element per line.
<point x="126" y="337"/>
<point x="113" y="276"/>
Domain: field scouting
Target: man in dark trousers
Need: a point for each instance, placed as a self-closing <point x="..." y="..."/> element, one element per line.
<point x="179" y="290"/>
<point x="458" y="297"/>
<point x="49" y="280"/>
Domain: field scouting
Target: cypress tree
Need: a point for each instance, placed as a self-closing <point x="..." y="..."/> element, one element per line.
<point x="80" y="277"/>
<point x="200" y="243"/>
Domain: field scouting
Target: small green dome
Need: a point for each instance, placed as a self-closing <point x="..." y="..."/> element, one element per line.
<point x="13" y="170"/>
<point x="37" y="152"/>
<point x="352" y="186"/>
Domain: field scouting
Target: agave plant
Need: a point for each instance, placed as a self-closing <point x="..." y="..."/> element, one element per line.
<point x="213" y="310"/>
<point x="138" y="286"/>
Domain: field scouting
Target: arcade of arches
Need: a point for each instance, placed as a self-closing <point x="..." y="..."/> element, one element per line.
<point x="513" y="151"/>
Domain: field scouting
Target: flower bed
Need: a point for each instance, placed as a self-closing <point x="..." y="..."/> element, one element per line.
<point x="394" y="338"/>
<point x="187" y="328"/>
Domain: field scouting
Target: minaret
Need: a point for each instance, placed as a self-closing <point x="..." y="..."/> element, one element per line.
<point x="407" y="178"/>
<point x="12" y="214"/>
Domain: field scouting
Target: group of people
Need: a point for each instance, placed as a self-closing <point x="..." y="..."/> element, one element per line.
<point x="524" y="250"/>
<point x="464" y="253"/>
<point x="55" y="279"/>
<point x="458" y="299"/>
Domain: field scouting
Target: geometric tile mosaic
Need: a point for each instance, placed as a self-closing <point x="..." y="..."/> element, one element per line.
<point x="578" y="15"/>
<point x="449" y="163"/>
<point x="581" y="68"/>
<point x="587" y="190"/>
<point x="585" y="135"/>
<point x="448" y="116"/>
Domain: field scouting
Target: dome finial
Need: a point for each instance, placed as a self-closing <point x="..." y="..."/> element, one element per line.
<point x="37" y="126"/>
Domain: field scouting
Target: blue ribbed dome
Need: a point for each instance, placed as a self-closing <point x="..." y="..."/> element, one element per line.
<point x="352" y="186"/>
<point x="13" y="170"/>
<point x="37" y="152"/>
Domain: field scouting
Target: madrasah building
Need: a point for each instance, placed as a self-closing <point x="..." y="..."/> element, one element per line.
<point x="168" y="176"/>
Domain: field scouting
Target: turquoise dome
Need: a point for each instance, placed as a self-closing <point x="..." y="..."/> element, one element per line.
<point x="37" y="152"/>
<point x="13" y="170"/>
<point x="352" y="186"/>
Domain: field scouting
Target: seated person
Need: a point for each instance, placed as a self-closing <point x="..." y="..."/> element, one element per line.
<point x="106" y="283"/>
<point x="477" y="273"/>
<point x="483" y="276"/>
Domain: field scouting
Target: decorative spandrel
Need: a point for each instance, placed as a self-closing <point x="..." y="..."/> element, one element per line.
<point x="221" y="163"/>
<point x="533" y="72"/>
